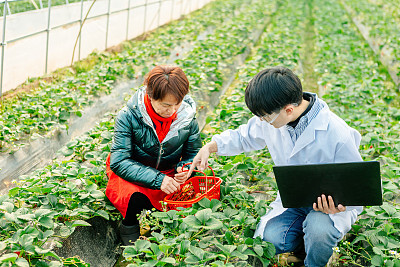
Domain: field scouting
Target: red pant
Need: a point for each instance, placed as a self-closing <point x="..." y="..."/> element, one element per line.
<point x="119" y="191"/>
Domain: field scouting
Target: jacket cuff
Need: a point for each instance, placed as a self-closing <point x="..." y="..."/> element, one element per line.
<point x="158" y="181"/>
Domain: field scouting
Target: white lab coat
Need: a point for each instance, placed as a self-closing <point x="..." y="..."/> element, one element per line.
<point x="327" y="139"/>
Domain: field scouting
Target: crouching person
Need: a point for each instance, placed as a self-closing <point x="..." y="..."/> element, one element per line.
<point x="155" y="134"/>
<point x="298" y="128"/>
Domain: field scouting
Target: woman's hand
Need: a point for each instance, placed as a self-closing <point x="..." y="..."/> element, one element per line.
<point x="181" y="176"/>
<point x="169" y="185"/>
<point x="327" y="206"/>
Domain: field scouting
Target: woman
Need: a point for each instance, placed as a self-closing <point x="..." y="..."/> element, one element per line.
<point x="155" y="134"/>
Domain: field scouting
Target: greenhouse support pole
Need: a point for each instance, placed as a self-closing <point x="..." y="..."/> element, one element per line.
<point x="3" y="44"/>
<point x="127" y="20"/>
<point x="80" y="35"/>
<point x="108" y="21"/>
<point x="8" y="9"/>
<point x="41" y="4"/>
<point x="48" y="36"/>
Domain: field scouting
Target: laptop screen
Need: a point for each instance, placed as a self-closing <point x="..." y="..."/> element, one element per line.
<point x="350" y="184"/>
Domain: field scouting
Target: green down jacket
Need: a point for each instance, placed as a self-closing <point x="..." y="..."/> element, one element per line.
<point x="137" y="155"/>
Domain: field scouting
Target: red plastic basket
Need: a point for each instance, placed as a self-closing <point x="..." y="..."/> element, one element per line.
<point x="194" y="190"/>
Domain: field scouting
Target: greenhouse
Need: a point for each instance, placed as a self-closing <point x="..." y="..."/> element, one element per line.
<point x="151" y="132"/>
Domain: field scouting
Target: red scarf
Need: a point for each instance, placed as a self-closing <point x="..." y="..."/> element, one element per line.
<point x="162" y="124"/>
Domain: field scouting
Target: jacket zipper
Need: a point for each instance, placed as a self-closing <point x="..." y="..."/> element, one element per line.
<point x="161" y="151"/>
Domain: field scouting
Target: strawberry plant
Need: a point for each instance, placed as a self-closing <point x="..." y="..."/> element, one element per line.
<point x="52" y="105"/>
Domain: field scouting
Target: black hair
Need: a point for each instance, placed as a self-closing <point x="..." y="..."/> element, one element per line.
<point x="272" y="89"/>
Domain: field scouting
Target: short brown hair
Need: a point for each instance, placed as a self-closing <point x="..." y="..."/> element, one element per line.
<point x="163" y="80"/>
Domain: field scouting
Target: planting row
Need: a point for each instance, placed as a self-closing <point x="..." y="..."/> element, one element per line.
<point x="66" y="193"/>
<point x="381" y="19"/>
<point x="361" y="91"/>
<point x="51" y="104"/>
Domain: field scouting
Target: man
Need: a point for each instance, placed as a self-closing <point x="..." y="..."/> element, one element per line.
<point x="297" y="128"/>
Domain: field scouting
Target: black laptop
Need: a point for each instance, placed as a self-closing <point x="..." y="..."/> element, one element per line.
<point x="350" y="184"/>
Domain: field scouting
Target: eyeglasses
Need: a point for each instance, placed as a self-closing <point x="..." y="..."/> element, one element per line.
<point x="266" y="118"/>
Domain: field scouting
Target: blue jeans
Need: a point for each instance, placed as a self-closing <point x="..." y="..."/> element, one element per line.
<point x="294" y="226"/>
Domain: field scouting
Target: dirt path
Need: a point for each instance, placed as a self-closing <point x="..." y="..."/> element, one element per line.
<point x="308" y="49"/>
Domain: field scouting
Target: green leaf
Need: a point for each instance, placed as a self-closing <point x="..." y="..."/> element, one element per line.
<point x="377" y="260"/>
<point x="9" y="257"/>
<point x="192" y="222"/>
<point x="7" y="206"/>
<point x="269" y="250"/>
<point x="229" y="237"/>
<point x="389" y="263"/>
<point x="168" y="260"/>
<point x="67" y="151"/>
<point x="142" y="245"/>
<point x="41" y="212"/>
<point x="52" y="200"/>
<point x="239" y="255"/>
<point x="39" y="189"/>
<point x="80" y="223"/>
<point x="229" y="212"/>
<point x="192" y="259"/>
<point x="64" y="115"/>
<point x="46" y="234"/>
<point x="259" y="250"/>
<point x="242" y="167"/>
<point x="26" y="240"/>
<point x="3" y="245"/>
<point x="26" y="217"/>
<point x="213" y="224"/>
<point x="106" y="135"/>
<point x="103" y="214"/>
<point x="72" y="143"/>
<point x="377" y="250"/>
<point x="203" y="215"/>
<point x="97" y="194"/>
<point x="227" y="167"/>
<point x="65" y="231"/>
<point x="204" y="203"/>
<point x="156" y="250"/>
<point x="46" y="222"/>
<point x="22" y="262"/>
<point x="198" y="252"/>
<point x="130" y="252"/>
<point x="184" y="248"/>
<point x="10" y="217"/>
<point x="389" y="209"/>
<point x="249" y="241"/>
<point x="13" y="192"/>
<point x="41" y="251"/>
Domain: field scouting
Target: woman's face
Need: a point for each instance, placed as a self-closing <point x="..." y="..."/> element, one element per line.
<point x="167" y="106"/>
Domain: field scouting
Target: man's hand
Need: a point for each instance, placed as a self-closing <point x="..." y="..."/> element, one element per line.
<point x="181" y="176"/>
<point x="169" y="185"/>
<point x="327" y="206"/>
<point x="201" y="159"/>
